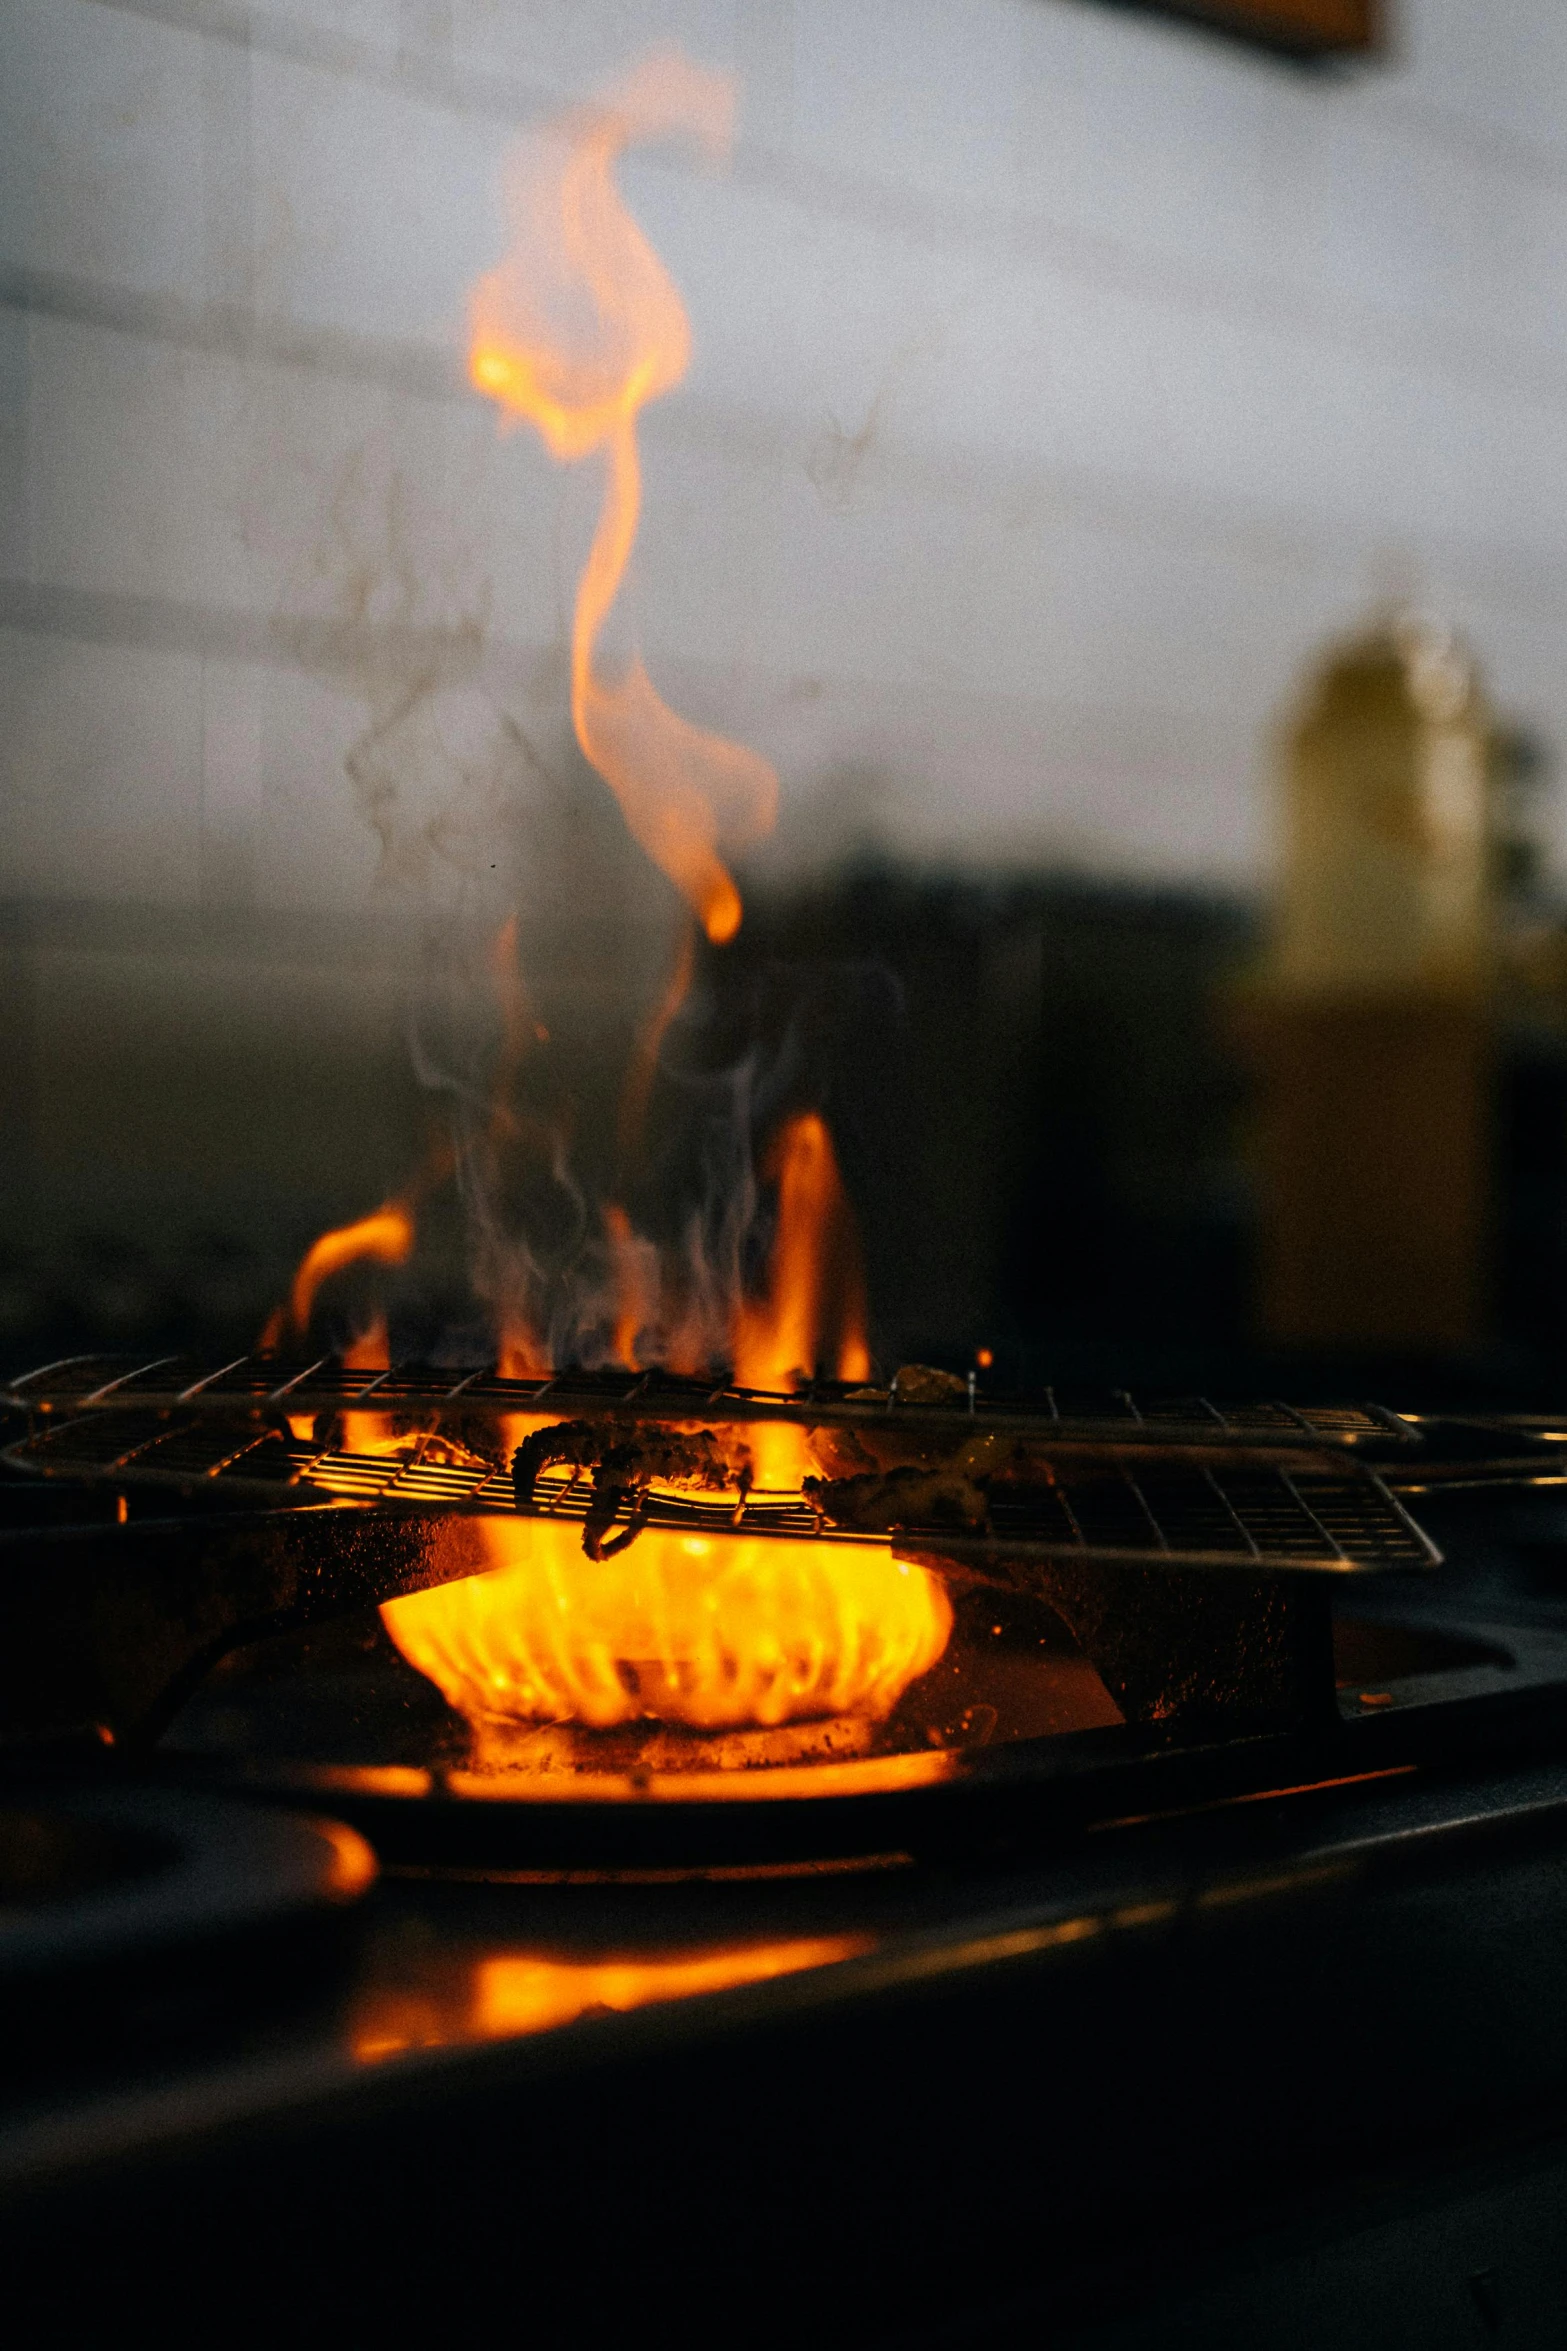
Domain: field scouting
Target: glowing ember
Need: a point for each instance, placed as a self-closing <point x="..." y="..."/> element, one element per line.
<point x="578" y="328"/>
<point x="710" y="1633"/>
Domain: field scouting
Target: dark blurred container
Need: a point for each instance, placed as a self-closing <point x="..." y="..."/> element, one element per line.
<point x="1038" y="1111"/>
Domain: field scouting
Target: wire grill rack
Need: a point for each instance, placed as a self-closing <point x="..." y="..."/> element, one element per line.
<point x="1179" y="1510"/>
<point x="270" y="1388"/>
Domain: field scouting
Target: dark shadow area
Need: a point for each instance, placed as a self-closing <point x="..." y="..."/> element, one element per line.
<point x="1038" y="1087"/>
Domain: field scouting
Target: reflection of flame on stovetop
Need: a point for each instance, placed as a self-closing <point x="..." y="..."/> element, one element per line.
<point x="503" y="1994"/>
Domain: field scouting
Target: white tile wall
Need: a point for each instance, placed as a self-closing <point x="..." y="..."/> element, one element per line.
<point x="135" y="456"/>
<point x="313" y="848"/>
<point x="15" y="543"/>
<point x="232" y="720"/>
<point x="1061" y="377"/>
<point x="373" y="215"/>
<point x="101" y="121"/>
<point x="100" y="767"/>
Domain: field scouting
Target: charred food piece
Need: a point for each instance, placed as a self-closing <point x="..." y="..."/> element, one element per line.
<point x="906" y="1439"/>
<point x="677" y="1457"/>
<point x="624" y="1467"/>
<point x="881" y="1505"/>
<point x="578" y="1443"/>
<point x="922" y="1383"/>
<point x="973" y="1455"/>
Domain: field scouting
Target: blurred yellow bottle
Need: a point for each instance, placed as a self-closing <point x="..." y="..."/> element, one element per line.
<point x="1385" y="881"/>
<point x="1370" y="1022"/>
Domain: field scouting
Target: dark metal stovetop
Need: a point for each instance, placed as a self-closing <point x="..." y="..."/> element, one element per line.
<point x="1029" y="2048"/>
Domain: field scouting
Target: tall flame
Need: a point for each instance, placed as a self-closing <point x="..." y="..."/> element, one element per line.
<point x="814" y="1293"/>
<point x="814" y="1288"/>
<point x="576" y="330"/>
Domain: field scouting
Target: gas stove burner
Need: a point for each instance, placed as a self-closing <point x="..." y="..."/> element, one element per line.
<point x="408" y="1598"/>
<point x="1174" y="1544"/>
<point x="1401" y="1698"/>
<point x="1142" y="1789"/>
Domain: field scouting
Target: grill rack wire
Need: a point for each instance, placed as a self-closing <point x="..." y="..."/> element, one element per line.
<point x="1178" y="1484"/>
<point x="269" y="1385"/>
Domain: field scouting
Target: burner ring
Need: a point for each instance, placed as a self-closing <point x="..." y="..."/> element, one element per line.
<point x="127" y="1883"/>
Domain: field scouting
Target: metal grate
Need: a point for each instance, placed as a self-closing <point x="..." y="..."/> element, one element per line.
<point x="1178" y="1510"/>
<point x="271" y="1388"/>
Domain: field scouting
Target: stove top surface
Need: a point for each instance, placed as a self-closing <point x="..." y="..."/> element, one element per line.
<point x="1083" y="1970"/>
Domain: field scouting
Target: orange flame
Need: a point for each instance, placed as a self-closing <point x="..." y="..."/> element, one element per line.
<point x="576" y="330"/>
<point x="370" y="1351"/>
<point x="387" y="1237"/>
<point x="814" y="1287"/>
<point x="520" y="1356"/>
<point x="815" y="1292"/>
<point x="707" y="1633"/>
<point x="634" y="1272"/>
<point x="711" y="1633"/>
<point x="643" y="1069"/>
